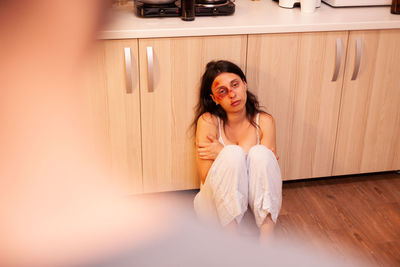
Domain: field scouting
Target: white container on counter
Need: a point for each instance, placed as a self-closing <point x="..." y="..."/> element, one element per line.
<point x="308" y="4"/>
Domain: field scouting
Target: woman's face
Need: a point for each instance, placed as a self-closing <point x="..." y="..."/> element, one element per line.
<point x="229" y="91"/>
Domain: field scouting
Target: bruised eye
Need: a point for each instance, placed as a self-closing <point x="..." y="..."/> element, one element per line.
<point x="221" y="93"/>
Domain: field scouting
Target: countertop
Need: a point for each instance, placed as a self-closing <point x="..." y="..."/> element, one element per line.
<point x="251" y="17"/>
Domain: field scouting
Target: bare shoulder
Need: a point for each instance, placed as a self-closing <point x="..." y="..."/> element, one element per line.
<point x="268" y="131"/>
<point x="207" y="124"/>
<point x="266" y="121"/>
<point x="208" y="118"/>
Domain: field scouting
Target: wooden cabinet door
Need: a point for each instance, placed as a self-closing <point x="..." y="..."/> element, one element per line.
<point x="292" y="76"/>
<point x="369" y="125"/>
<point x="168" y="106"/>
<point x="116" y="109"/>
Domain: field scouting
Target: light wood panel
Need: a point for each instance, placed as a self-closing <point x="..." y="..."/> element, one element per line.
<point x="369" y="125"/>
<point x="168" y="144"/>
<point x="292" y="76"/>
<point x="117" y="112"/>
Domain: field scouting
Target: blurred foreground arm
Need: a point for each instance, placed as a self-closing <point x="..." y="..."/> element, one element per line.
<point x="57" y="206"/>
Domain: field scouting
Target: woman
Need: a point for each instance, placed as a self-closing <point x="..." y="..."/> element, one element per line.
<point x="235" y="143"/>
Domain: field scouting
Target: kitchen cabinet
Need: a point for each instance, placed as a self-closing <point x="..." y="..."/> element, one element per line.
<point x="368" y="135"/>
<point x="169" y="93"/>
<point x="328" y="122"/>
<point x="292" y="75"/>
<point x="147" y="130"/>
<point x="115" y="99"/>
<point x="325" y="127"/>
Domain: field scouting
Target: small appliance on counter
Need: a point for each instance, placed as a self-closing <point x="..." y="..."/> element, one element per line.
<point x="152" y="9"/>
<point x="293" y="3"/>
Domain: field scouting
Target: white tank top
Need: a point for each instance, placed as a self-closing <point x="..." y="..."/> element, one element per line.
<point x="220" y="131"/>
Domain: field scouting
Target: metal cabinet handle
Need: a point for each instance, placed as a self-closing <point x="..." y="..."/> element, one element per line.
<point x="128" y="69"/>
<point x="338" y="58"/>
<point x="358" y="59"/>
<point x="150" y="69"/>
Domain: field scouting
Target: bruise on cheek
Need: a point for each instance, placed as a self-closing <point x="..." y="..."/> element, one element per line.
<point x="219" y="96"/>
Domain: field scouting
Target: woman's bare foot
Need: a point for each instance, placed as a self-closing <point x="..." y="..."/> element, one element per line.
<point x="267" y="230"/>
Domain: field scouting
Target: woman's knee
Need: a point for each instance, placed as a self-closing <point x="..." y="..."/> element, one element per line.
<point x="260" y="153"/>
<point x="233" y="155"/>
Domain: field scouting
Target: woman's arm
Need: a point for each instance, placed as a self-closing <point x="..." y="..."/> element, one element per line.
<point x="268" y="138"/>
<point x="206" y="128"/>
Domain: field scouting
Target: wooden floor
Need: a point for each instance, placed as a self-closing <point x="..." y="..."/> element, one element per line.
<point x="356" y="215"/>
<point x="353" y="217"/>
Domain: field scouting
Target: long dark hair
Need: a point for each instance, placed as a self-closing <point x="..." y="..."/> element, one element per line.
<point x="206" y="104"/>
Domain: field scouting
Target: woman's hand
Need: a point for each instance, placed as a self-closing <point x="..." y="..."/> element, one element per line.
<point x="209" y="150"/>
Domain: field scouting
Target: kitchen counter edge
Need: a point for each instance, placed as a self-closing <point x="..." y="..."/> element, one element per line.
<point x="251" y="17"/>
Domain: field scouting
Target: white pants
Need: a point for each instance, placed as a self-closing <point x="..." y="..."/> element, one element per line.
<point x="236" y="181"/>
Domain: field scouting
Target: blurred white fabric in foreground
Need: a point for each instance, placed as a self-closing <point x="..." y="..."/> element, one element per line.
<point x="189" y="243"/>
